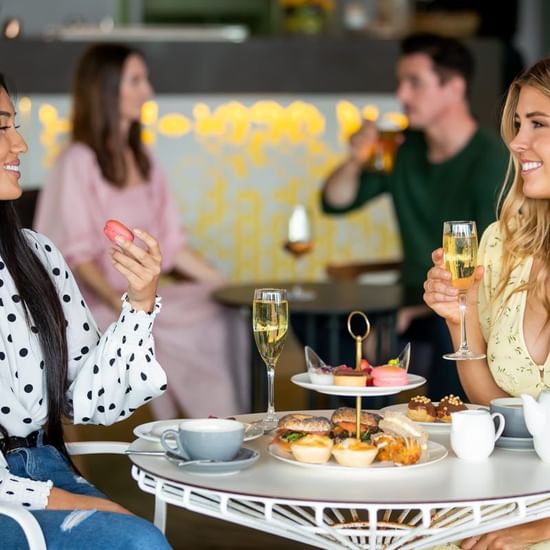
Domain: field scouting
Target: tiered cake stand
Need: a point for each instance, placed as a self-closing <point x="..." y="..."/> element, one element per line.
<point x="303" y="380"/>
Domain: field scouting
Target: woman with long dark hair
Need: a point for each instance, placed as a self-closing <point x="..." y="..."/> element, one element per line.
<point x="107" y="172"/>
<point x="54" y="364"/>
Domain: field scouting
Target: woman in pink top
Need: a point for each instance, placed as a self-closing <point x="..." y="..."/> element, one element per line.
<point x="106" y="172"/>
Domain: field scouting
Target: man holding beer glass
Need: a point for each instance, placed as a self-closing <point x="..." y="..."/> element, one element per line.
<point x="446" y="168"/>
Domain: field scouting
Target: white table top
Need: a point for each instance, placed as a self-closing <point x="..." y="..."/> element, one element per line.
<point x="506" y="474"/>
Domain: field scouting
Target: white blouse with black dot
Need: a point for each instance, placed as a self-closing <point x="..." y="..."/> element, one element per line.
<point x="110" y="375"/>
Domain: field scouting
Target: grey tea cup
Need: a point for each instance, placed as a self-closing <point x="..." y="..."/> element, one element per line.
<point x="512" y="410"/>
<point x="205" y="439"/>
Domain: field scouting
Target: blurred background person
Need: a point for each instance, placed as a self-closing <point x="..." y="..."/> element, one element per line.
<point x="447" y="168"/>
<point x="107" y="172"/>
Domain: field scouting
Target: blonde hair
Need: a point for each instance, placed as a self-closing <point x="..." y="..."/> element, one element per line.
<point x="524" y="222"/>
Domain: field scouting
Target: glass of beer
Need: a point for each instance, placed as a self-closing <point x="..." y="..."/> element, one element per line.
<point x="270" y="325"/>
<point x="460" y="257"/>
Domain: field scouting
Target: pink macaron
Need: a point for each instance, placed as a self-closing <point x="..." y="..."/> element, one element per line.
<point x="114" y="227"/>
<point x="389" y="375"/>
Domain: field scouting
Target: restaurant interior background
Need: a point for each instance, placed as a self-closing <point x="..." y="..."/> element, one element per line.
<point x="255" y="100"/>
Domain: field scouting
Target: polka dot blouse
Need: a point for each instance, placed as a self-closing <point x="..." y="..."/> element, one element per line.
<point x="110" y="375"/>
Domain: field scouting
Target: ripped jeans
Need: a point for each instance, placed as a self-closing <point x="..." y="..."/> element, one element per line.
<point x="82" y="529"/>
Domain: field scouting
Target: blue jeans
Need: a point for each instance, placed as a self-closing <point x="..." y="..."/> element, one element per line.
<point x="70" y="529"/>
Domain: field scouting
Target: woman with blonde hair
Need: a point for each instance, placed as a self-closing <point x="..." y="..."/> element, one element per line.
<point x="509" y="305"/>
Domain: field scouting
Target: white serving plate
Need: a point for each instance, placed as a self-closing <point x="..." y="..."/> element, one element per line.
<point x="436" y="452"/>
<point x="303" y="381"/>
<point x="438" y="424"/>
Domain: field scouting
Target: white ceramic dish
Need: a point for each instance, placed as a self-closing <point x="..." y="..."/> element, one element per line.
<point x="436" y="453"/>
<point x="438" y="424"/>
<point x="244" y="459"/>
<point x="303" y="381"/>
<point x="515" y="443"/>
<point x="151" y="431"/>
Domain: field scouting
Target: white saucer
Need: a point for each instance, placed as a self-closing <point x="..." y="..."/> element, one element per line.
<point x="244" y="459"/>
<point x="515" y="443"/>
<point x="151" y="431"/>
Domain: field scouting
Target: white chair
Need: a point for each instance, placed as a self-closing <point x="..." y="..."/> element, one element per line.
<point x="27" y="521"/>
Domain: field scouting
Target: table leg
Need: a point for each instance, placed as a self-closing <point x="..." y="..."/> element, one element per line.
<point x="160" y="514"/>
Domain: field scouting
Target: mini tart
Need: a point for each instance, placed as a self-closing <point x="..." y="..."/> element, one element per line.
<point x="351" y="378"/>
<point x="449" y="404"/>
<point x="421" y="409"/>
<point x="354" y="454"/>
<point x="313" y="449"/>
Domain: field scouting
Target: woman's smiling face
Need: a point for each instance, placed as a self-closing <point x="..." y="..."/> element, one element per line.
<point x="531" y="144"/>
<point x="11" y="146"/>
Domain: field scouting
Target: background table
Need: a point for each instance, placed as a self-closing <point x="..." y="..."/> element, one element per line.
<point x="333" y="301"/>
<point x="391" y="508"/>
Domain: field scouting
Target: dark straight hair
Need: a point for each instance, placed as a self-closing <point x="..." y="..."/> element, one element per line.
<point x="96" y="113"/>
<point x="449" y="56"/>
<point x="43" y="311"/>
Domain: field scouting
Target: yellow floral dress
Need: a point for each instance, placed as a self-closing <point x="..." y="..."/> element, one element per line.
<point x="502" y="322"/>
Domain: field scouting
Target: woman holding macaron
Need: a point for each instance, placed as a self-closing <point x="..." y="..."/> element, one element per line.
<point x="509" y="305"/>
<point x="55" y="365"/>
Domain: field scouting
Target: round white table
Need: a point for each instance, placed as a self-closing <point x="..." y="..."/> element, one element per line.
<point x="408" y="508"/>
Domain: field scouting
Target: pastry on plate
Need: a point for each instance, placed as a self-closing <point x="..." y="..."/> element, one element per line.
<point x="312" y="448"/>
<point x="402" y="451"/>
<point x="449" y="404"/>
<point x="421" y="409"/>
<point x="353" y="453"/>
<point x="346" y="376"/>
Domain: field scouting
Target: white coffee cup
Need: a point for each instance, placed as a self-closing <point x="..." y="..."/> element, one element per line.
<point x="473" y="433"/>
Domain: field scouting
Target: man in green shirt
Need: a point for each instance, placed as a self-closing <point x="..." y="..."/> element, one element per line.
<point x="447" y="168"/>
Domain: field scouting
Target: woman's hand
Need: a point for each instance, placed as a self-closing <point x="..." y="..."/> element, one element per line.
<point x="141" y="267"/>
<point x="511" y="538"/>
<point x="60" y="499"/>
<point x="441" y="296"/>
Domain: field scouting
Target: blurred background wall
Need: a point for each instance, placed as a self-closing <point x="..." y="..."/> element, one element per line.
<point x="255" y="102"/>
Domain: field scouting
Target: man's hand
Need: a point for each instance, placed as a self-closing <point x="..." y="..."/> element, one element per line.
<point x="363" y="142"/>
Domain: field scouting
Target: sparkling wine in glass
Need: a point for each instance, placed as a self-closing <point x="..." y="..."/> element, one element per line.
<point x="299" y="241"/>
<point x="460" y="257"/>
<point x="270" y="325"/>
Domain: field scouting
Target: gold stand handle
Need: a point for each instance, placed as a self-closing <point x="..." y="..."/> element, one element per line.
<point x="359" y="338"/>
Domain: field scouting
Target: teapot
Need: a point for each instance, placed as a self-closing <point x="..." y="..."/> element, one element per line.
<point x="537" y="419"/>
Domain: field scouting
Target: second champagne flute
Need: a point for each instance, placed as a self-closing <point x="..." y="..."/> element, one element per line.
<point x="270" y="325"/>
<point x="460" y="257"/>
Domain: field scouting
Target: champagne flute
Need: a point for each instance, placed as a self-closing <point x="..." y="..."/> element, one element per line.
<point x="270" y="325"/>
<point x="299" y="241"/>
<point x="460" y="257"/>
